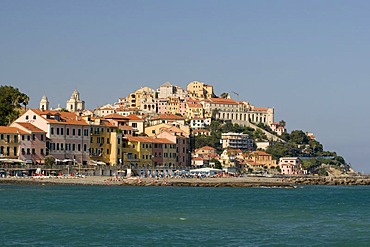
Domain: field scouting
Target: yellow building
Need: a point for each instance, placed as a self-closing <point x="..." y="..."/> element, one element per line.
<point x="134" y="99"/>
<point x="154" y="130"/>
<point x="260" y="159"/>
<point x="105" y="142"/>
<point x="200" y="90"/>
<point x="194" y="109"/>
<point x="9" y="142"/>
<point x="137" y="152"/>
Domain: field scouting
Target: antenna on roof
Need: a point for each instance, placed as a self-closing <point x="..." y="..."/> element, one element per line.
<point x="236" y="94"/>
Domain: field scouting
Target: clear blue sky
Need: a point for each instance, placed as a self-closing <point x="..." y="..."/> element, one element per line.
<point x="307" y="59"/>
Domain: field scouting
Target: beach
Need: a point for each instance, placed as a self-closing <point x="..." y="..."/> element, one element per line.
<point x="247" y="181"/>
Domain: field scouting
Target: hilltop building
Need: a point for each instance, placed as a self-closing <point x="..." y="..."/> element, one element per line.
<point x="75" y="104"/>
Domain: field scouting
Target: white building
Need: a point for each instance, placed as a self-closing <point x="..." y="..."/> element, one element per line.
<point x="236" y="141"/>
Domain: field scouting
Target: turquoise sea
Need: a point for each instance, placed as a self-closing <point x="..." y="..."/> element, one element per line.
<point x="183" y="216"/>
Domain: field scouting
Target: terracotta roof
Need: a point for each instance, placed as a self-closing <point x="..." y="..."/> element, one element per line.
<point x="115" y="116"/>
<point x="134" y="117"/>
<point x="65" y="117"/>
<point x="31" y="127"/>
<point x="223" y="101"/>
<point x="162" y="140"/>
<point x="11" y="130"/>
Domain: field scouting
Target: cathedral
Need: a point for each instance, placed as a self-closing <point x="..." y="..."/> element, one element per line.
<point x="75" y="104"/>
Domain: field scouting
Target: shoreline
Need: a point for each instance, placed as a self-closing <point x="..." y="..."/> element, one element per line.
<point x="286" y="182"/>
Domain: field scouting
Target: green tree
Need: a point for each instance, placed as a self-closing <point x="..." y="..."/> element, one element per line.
<point x="11" y="101"/>
<point x="298" y="137"/>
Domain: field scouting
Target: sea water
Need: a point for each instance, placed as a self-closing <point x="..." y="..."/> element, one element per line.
<point x="183" y="216"/>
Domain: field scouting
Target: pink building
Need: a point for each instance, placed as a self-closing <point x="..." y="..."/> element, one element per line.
<point x="178" y="137"/>
<point x="162" y="106"/>
<point x="32" y="143"/>
<point x="68" y="135"/>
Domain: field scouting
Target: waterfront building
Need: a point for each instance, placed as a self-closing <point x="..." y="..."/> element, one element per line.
<point x="105" y="142"/>
<point x="9" y="142"/>
<point x="148" y="154"/>
<point x="230" y="160"/>
<point x="182" y="141"/>
<point x="31" y="143"/>
<point x="260" y="160"/>
<point x="291" y="166"/>
<point x="68" y="134"/>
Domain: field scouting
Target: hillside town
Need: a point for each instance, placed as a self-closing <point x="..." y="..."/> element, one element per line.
<point x="147" y="133"/>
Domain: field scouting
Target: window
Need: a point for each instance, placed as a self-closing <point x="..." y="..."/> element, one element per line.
<point x="108" y="151"/>
<point x="91" y="140"/>
<point x="57" y="131"/>
<point x="85" y="147"/>
<point x="73" y="147"/>
<point x="22" y="137"/>
<point x="42" y="137"/>
<point x="67" y="131"/>
<point x="86" y="132"/>
<point x="73" y="132"/>
<point x="52" y="131"/>
<point x="79" y="147"/>
<point x="28" y="138"/>
<point x="23" y="152"/>
<point x="61" y="131"/>
<point x="57" y="146"/>
<point x="79" y="132"/>
<point x="34" y="116"/>
<point x="27" y="117"/>
<point x="33" y="137"/>
<point x="28" y="151"/>
<point x="15" y="151"/>
<point x="42" y="151"/>
<point x="33" y="151"/>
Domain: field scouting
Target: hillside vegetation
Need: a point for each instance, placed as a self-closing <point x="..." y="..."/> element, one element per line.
<point x="297" y="144"/>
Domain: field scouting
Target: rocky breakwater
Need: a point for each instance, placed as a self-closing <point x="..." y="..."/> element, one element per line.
<point x="329" y="180"/>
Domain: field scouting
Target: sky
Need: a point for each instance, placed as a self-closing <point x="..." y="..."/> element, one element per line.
<point x="308" y="59"/>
